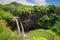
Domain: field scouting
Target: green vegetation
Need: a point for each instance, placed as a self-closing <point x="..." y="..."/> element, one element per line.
<point x="41" y="34"/>
<point x="38" y="38"/>
<point x="33" y="17"/>
<point x="5" y="15"/>
<point x="5" y="33"/>
<point x="56" y="28"/>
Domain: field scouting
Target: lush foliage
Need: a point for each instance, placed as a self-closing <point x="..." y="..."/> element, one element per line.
<point x="46" y="17"/>
<point x="5" y="33"/>
<point x="56" y="27"/>
<point x="5" y="15"/>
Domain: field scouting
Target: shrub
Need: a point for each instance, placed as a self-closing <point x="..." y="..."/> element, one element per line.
<point x="46" y="22"/>
<point x="56" y="27"/>
<point x="5" y="15"/>
<point x="5" y="33"/>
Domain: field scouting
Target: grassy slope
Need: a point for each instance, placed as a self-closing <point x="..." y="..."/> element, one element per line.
<point x="40" y="33"/>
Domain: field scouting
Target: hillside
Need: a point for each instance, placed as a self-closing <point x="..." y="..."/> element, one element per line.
<point x="32" y="17"/>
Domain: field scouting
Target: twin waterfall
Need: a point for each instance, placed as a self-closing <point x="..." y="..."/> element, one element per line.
<point x="18" y="27"/>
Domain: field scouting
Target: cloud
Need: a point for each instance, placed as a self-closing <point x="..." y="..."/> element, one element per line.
<point x="25" y="2"/>
<point x="40" y="2"/>
<point x="37" y="2"/>
<point x="19" y="1"/>
<point x="5" y="1"/>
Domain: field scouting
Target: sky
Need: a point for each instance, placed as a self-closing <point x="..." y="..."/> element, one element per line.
<point x="33" y="2"/>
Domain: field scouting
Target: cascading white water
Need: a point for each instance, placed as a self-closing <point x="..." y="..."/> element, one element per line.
<point x="18" y="26"/>
<point x="22" y="29"/>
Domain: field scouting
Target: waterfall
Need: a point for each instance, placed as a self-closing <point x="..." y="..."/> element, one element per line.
<point x="22" y="29"/>
<point x="18" y="26"/>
